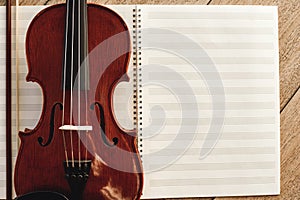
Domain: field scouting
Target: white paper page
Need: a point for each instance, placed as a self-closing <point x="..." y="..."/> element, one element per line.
<point x="210" y="100"/>
<point x="2" y="103"/>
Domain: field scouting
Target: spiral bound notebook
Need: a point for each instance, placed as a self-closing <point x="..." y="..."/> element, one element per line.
<point x="203" y="96"/>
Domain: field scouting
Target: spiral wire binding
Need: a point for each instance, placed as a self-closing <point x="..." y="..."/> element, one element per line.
<point x="137" y="77"/>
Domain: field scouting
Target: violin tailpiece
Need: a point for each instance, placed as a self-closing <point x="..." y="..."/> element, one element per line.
<point x="77" y="174"/>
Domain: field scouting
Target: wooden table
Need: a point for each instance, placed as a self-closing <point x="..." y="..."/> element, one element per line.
<point x="289" y="45"/>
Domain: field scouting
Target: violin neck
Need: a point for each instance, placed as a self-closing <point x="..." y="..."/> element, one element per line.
<point x="76" y="46"/>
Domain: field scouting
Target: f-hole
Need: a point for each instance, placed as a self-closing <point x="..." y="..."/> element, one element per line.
<point x="102" y="126"/>
<point x="51" y="131"/>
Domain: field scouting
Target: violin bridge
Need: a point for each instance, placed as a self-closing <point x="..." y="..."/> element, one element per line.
<point x="75" y="128"/>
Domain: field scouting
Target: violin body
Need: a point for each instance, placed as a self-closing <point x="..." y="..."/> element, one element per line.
<point x="43" y="159"/>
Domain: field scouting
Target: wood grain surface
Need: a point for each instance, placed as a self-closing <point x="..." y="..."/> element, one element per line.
<point x="289" y="47"/>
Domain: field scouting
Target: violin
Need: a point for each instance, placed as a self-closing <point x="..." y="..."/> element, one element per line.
<point x="78" y="53"/>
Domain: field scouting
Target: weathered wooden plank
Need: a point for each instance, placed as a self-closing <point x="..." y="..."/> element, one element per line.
<point x="32" y="2"/>
<point x="150" y="2"/>
<point x="51" y="2"/>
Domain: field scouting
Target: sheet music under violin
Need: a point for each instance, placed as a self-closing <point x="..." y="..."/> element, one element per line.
<point x="202" y="97"/>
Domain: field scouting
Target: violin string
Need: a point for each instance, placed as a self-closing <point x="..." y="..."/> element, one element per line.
<point x="64" y="86"/>
<point x="86" y="65"/>
<point x="71" y="89"/>
<point x="78" y="74"/>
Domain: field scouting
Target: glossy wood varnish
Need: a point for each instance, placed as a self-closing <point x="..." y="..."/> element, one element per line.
<point x="115" y="171"/>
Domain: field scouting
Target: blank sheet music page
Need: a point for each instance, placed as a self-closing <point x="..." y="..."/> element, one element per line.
<point x="2" y="103"/>
<point x="210" y="100"/>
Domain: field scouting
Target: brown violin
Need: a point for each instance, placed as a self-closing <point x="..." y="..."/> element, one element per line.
<point x="78" y="53"/>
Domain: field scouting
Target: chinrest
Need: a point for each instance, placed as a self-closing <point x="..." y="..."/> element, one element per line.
<point x="42" y="195"/>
